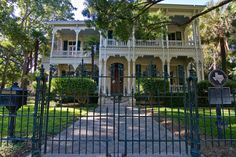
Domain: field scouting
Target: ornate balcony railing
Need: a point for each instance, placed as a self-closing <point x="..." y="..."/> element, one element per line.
<point x="112" y="43"/>
<point x="177" y="88"/>
<point x="70" y="54"/>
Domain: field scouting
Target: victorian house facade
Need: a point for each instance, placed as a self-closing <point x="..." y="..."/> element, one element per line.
<point x="175" y="51"/>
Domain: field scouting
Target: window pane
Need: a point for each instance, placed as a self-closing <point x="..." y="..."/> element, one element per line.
<point x="178" y="36"/>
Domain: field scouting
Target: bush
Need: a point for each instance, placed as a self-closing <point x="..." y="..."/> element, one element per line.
<point x="202" y="92"/>
<point x="74" y="88"/>
<point x="202" y="88"/>
<point x="150" y="87"/>
<point x="231" y="84"/>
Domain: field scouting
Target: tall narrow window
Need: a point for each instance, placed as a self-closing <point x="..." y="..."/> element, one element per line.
<point x="110" y="34"/>
<point x="178" y="36"/>
<point x="181" y="74"/>
<point x="138" y="70"/>
<point x="65" y="45"/>
<point x="78" y="46"/>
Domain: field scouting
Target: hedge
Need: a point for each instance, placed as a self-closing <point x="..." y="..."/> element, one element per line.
<point x="149" y="88"/>
<point x="79" y="89"/>
<point x="202" y="91"/>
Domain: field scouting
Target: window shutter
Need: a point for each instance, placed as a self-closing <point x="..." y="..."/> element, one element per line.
<point x="181" y="74"/>
<point x="138" y="70"/>
<point x="65" y="45"/>
<point x="78" y="46"/>
<point x="165" y="71"/>
<point x="110" y="34"/>
<point x="178" y="36"/>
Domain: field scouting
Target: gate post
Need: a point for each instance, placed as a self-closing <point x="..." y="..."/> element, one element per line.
<point x="38" y="114"/>
<point x="194" y="115"/>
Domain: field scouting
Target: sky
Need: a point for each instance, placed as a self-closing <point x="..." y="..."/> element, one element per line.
<point x="79" y="4"/>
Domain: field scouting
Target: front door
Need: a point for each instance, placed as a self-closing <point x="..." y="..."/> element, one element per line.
<point x="117" y="70"/>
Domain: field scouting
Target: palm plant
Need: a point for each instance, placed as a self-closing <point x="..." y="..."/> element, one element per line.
<point x="216" y="27"/>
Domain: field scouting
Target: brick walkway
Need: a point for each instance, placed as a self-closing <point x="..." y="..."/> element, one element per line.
<point x="107" y="129"/>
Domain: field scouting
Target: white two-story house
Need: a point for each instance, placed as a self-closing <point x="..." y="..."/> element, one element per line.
<point x="175" y="51"/>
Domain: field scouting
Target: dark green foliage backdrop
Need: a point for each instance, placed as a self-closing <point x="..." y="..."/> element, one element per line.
<point x="78" y="89"/>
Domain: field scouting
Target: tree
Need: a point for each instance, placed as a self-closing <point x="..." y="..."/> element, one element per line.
<point x="122" y="16"/>
<point x="9" y="63"/>
<point x="27" y="31"/>
<point x="216" y="28"/>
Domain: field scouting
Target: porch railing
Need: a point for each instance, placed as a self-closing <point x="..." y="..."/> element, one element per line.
<point x="177" y="88"/>
<point x="69" y="54"/>
<point x="112" y="43"/>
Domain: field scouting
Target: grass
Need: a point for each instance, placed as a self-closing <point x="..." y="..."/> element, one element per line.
<point x="58" y="119"/>
<point x="207" y="120"/>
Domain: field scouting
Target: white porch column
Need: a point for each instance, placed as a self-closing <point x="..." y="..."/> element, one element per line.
<point x="100" y="74"/>
<point x="100" y="40"/>
<point x="196" y="48"/>
<point x="163" y="67"/>
<point x="168" y="67"/>
<point x="104" y="76"/>
<point x="134" y="75"/>
<point x="129" y="91"/>
<point x="133" y="36"/>
<point x="53" y="38"/>
<point x="76" y="40"/>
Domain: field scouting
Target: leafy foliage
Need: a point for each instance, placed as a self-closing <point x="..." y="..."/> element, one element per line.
<point x="27" y="31"/>
<point x="202" y="88"/>
<point x="122" y="16"/>
<point x="77" y="88"/>
<point x="216" y="29"/>
<point x="150" y="87"/>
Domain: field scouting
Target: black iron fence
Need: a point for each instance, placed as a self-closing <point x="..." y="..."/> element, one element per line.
<point x="71" y="115"/>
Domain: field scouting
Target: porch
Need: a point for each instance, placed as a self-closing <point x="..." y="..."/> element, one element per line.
<point x="120" y="75"/>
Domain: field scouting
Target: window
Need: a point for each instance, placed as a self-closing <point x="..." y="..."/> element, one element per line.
<point x="171" y="36"/>
<point x="175" y="36"/>
<point x="65" y="45"/>
<point x="110" y="34"/>
<point x="70" y="44"/>
<point x="138" y="70"/>
<point x="181" y="74"/>
<point x="178" y="36"/>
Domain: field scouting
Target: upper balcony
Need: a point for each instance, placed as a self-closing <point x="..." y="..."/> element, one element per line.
<point x="69" y="44"/>
<point x="155" y="44"/>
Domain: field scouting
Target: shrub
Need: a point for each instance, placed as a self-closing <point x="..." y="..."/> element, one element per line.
<point x="202" y="88"/>
<point x="74" y="88"/>
<point x="231" y="84"/>
<point x="151" y="87"/>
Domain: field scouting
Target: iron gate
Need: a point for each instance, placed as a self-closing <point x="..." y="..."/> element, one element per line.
<point x="151" y="119"/>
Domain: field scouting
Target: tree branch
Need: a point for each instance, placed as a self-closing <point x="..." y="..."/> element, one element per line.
<point x="145" y="8"/>
<point x="222" y="3"/>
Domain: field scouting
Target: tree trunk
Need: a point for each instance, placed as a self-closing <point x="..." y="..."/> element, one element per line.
<point x="4" y="75"/>
<point x="223" y="54"/>
<point x="25" y="71"/>
<point x="92" y="61"/>
<point x="36" y="49"/>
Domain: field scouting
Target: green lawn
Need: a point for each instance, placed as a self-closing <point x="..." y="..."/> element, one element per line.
<point x="58" y="119"/>
<point x="207" y="120"/>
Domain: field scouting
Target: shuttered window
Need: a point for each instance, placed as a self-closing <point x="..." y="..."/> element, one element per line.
<point x="65" y="45"/>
